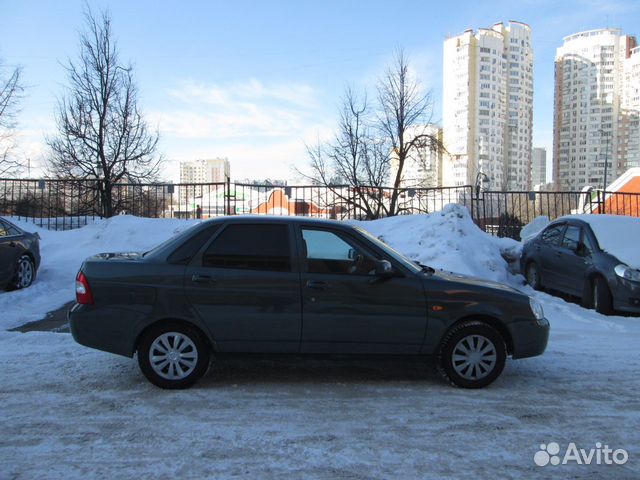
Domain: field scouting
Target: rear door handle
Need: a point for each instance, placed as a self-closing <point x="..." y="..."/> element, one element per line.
<point x="196" y="278"/>
<point x="317" y="285"/>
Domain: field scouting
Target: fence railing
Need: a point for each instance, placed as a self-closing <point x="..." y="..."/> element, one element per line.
<point x="66" y="204"/>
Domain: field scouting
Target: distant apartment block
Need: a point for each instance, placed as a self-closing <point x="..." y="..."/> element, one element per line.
<point x="216" y="170"/>
<point x="423" y="168"/>
<point x="487" y="106"/>
<point x="538" y="167"/>
<point x="597" y="107"/>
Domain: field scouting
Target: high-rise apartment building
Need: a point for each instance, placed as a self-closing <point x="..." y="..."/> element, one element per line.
<point x="487" y="106"/>
<point x="597" y="79"/>
<point x="423" y="168"/>
<point x="538" y="167"/>
<point x="629" y="150"/>
<point x="215" y="170"/>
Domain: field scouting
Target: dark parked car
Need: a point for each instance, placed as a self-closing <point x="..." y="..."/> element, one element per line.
<point x="594" y="257"/>
<point x="19" y="256"/>
<point x="299" y="286"/>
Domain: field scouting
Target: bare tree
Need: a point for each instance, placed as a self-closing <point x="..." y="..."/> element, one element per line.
<point x="101" y="132"/>
<point x="11" y="91"/>
<point x="369" y="138"/>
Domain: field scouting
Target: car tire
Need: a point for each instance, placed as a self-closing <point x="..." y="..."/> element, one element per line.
<point x="532" y="275"/>
<point x="475" y="341"/>
<point x="601" y="299"/>
<point x="25" y="273"/>
<point x="173" y="355"/>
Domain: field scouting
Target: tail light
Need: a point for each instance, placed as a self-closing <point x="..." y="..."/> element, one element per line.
<point x="83" y="292"/>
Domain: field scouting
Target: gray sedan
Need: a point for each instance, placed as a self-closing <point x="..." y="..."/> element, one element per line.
<point x="594" y="257"/>
<point x="298" y="286"/>
<point x="19" y="256"/>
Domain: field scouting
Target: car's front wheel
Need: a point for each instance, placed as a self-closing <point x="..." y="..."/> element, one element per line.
<point x="472" y="355"/>
<point x="601" y="299"/>
<point x="25" y="273"/>
<point x="173" y="356"/>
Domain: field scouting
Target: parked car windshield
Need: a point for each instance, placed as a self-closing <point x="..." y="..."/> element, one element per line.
<point x="413" y="266"/>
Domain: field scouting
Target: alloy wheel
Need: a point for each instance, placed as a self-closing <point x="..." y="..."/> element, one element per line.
<point x="25" y="272"/>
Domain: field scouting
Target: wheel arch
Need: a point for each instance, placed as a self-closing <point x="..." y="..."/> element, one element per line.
<point x="169" y="320"/>
<point x="492" y="321"/>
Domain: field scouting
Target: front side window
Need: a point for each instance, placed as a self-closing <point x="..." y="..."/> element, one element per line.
<point x="6" y="229"/>
<point x="327" y="252"/>
<point x="552" y="235"/>
<point x="250" y="247"/>
<point x="571" y="237"/>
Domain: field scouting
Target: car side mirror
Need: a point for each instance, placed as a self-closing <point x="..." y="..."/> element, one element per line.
<point x="581" y="249"/>
<point x="384" y="268"/>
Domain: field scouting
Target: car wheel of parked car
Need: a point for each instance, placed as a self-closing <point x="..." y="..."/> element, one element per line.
<point x="25" y="273"/>
<point x="533" y="276"/>
<point x="601" y="296"/>
<point x="472" y="355"/>
<point x="173" y="356"/>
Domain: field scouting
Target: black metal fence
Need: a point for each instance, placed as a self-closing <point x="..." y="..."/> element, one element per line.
<point x="66" y="204"/>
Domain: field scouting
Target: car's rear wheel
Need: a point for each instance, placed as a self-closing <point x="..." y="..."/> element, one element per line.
<point x="601" y="299"/>
<point x="472" y="355"/>
<point x="25" y="273"/>
<point x="173" y="356"/>
<point x="533" y="276"/>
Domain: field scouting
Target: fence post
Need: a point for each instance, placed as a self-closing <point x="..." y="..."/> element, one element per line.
<point x="228" y="197"/>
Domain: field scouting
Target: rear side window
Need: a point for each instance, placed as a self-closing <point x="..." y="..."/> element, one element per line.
<point x="250" y="247"/>
<point x="571" y="237"/>
<point x="552" y="235"/>
<point x="185" y="252"/>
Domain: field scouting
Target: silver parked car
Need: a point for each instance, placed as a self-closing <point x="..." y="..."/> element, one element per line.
<point x="594" y="257"/>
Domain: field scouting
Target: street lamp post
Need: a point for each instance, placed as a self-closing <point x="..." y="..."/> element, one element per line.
<point x="606" y="167"/>
<point x="480" y="178"/>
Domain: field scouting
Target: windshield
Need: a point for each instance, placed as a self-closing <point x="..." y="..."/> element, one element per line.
<point x="411" y="265"/>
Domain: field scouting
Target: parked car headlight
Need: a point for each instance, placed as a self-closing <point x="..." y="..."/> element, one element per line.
<point x="627" y="273"/>
<point x="536" y="308"/>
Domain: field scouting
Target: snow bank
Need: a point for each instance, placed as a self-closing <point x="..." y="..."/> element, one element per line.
<point x="64" y="251"/>
<point x="448" y="240"/>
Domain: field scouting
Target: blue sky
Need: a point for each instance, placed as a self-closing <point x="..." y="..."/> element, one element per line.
<point x="254" y="81"/>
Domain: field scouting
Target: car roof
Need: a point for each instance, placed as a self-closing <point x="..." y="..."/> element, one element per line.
<point x="279" y="219"/>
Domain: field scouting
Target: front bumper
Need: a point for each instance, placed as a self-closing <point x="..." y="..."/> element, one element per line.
<point x="529" y="337"/>
<point x="626" y="295"/>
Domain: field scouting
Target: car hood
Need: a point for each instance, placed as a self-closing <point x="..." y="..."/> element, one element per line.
<point x="473" y="281"/>
<point x="628" y="255"/>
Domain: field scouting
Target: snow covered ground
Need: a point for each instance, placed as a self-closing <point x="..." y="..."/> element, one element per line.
<point x="71" y="412"/>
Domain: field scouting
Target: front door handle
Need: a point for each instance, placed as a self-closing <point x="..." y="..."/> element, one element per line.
<point x="196" y="278"/>
<point x="317" y="285"/>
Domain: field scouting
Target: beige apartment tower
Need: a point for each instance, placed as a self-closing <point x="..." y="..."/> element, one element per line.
<point x="487" y="107"/>
<point x="597" y="107"/>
